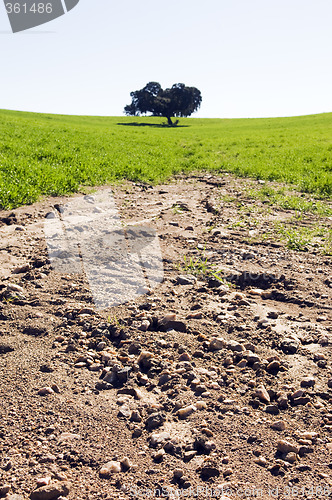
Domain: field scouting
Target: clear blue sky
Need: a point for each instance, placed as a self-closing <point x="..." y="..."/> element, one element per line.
<point x="249" y="58"/>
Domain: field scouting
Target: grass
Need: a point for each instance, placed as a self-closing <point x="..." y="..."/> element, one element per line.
<point x="55" y="154"/>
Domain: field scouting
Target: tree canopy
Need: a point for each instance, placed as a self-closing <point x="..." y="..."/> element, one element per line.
<point x="179" y="100"/>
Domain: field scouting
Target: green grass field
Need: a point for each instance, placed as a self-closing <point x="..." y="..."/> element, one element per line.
<point x="56" y="154"/>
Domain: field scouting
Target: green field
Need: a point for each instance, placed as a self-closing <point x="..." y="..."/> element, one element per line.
<point x="56" y="154"/>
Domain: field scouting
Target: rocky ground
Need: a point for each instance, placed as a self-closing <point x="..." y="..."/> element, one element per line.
<point x="215" y="384"/>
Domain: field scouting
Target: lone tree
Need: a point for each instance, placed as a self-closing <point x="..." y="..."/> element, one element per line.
<point x="176" y="101"/>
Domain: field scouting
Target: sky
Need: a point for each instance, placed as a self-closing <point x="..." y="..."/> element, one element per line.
<point x="249" y="58"/>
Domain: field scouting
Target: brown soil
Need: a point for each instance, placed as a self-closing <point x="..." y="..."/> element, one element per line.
<point x="278" y="337"/>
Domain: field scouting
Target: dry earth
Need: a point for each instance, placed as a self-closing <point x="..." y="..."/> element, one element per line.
<point x="196" y="388"/>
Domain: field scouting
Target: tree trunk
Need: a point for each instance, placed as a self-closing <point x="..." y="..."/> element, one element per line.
<point x="169" y="120"/>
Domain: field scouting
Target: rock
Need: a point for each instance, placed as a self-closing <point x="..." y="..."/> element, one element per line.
<point x="308" y="382"/>
<point x="262" y="394"/>
<point x="273" y="367"/>
<point x="45" y="390"/>
<point x="68" y="436"/>
<point x="280" y="425"/>
<point x="287" y="447"/>
<point x="125" y="463"/>
<point x="177" y="473"/>
<point x="4" y="489"/>
<point x="144" y="326"/>
<point x="110" y="468"/>
<point x="291" y="457"/>
<point x="155" y="420"/>
<point x="209" y="471"/>
<point x="50" y="492"/>
<point x="124" y="411"/>
<point x="159" y="455"/>
<point x="300" y="401"/>
<point x="186" y="411"/>
<point x="272" y="409"/>
<point x="329" y="383"/>
<point x="217" y="344"/>
<point x="235" y="346"/>
<point x="187" y="279"/>
<point x="261" y="461"/>
<point x="290" y="345"/>
<point x="15" y="497"/>
<point x="159" y="438"/>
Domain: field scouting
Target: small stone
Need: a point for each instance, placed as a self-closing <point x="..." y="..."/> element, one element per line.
<point x="262" y="394"/>
<point x="124" y="411"/>
<point x="216" y="344"/>
<point x="159" y="438"/>
<point x="209" y="471"/>
<point x="110" y="468"/>
<point x="188" y="279"/>
<point x="43" y="481"/>
<point x="155" y="420"/>
<point x="228" y="472"/>
<point x="291" y="457"/>
<point x="185" y="357"/>
<point x="159" y="455"/>
<point x="144" y="326"/>
<point x="186" y="411"/>
<point x="287" y="447"/>
<point x="280" y="425"/>
<point x="329" y="383"/>
<point x="125" y="463"/>
<point x="45" y="391"/>
<point x="308" y="382"/>
<point x="68" y="436"/>
<point x="261" y="461"/>
<point x="50" y="492"/>
<point x="290" y="345"/>
<point x="177" y="473"/>
<point x="273" y="367"/>
<point x="4" y="489"/>
<point x="272" y="409"/>
<point x="235" y="346"/>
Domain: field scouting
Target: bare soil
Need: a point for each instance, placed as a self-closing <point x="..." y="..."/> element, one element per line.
<point x="272" y="362"/>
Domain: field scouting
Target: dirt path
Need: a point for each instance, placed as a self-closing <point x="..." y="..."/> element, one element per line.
<point x="194" y="388"/>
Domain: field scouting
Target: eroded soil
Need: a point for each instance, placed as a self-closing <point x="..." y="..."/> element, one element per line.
<point x="187" y="381"/>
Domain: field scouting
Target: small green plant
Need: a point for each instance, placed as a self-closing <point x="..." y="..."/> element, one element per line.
<point x="200" y="266"/>
<point x="297" y="239"/>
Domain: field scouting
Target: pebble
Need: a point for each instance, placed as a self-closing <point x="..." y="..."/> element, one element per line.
<point x="50" y="492"/>
<point x="125" y="463"/>
<point x="308" y="382"/>
<point x="287" y="447"/>
<point x="280" y="425"/>
<point x="159" y="438"/>
<point x="110" y="468"/>
<point x="188" y="279"/>
<point x="159" y="455"/>
<point x="177" y="473"/>
<point x="262" y="394"/>
<point x="217" y="344"/>
<point x="45" y="390"/>
<point x="261" y="461"/>
<point x="186" y="411"/>
<point x="4" y="489"/>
